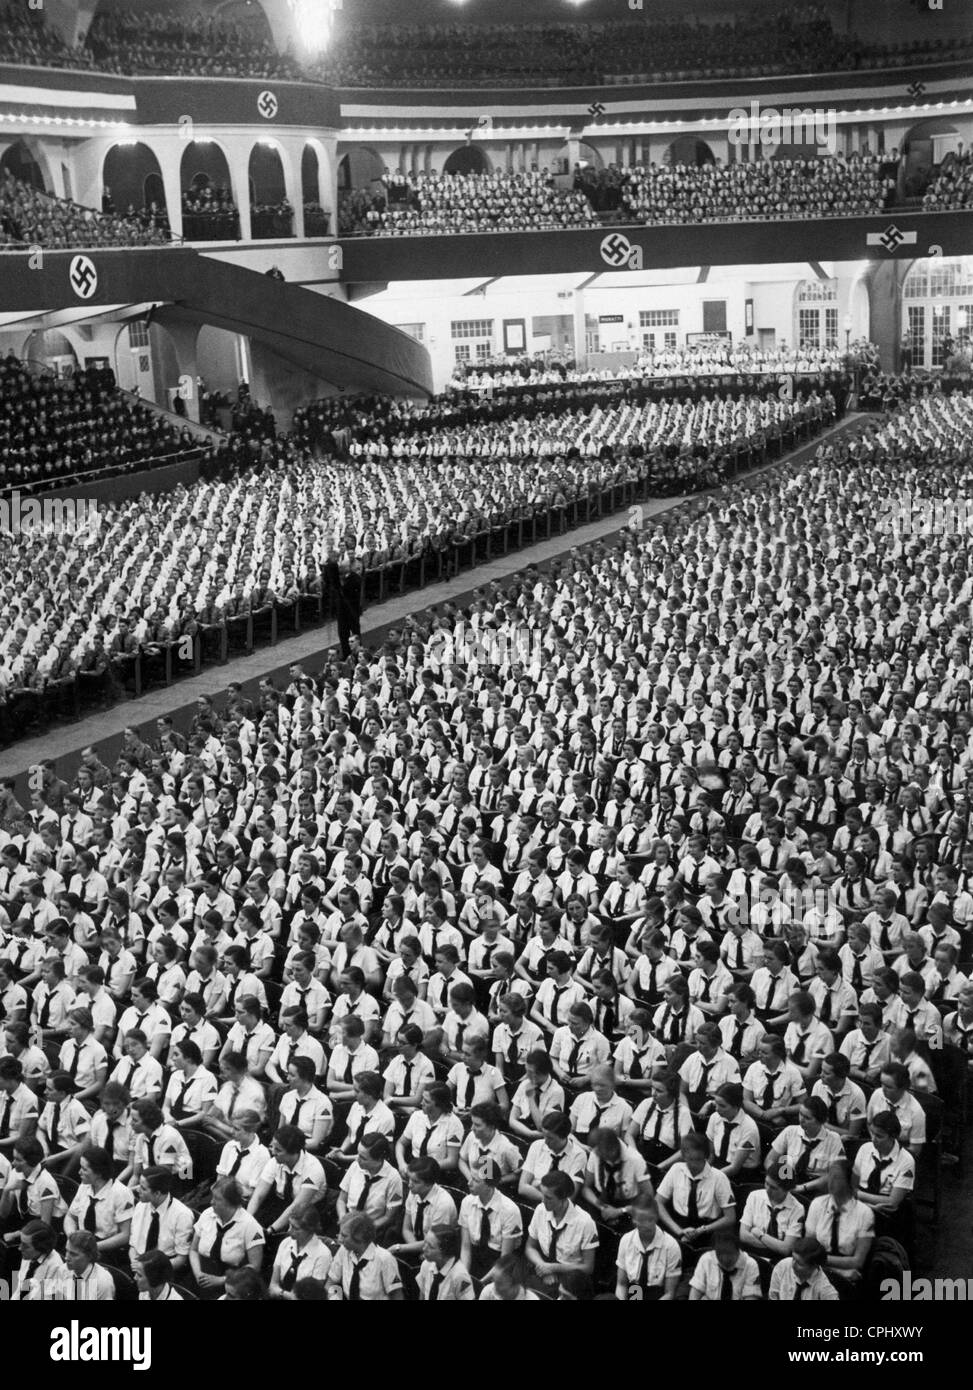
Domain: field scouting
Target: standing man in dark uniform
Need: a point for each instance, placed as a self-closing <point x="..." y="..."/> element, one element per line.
<point x="346" y="588"/>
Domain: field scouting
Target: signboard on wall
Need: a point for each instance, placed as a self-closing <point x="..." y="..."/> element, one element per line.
<point x="611" y="318"/>
<point x="708" y="339"/>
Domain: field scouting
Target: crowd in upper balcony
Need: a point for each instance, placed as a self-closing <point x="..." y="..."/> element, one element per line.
<point x="146" y="41"/>
<point x="424" y="204"/>
<point x="32" y="218"/>
<point x="952" y="187"/>
<point x="841" y="186"/>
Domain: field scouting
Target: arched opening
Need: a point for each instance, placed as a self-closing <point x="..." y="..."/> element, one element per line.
<point x="132" y="180"/>
<point x="47" y="349"/>
<point x="687" y="149"/>
<point x="589" y="157"/>
<point x="925" y="146"/>
<point x="245" y="14"/>
<point x="208" y="211"/>
<point x="270" y="214"/>
<point x="315" y="217"/>
<point x="360" y="167"/>
<point x="18" y="161"/>
<point x="468" y="159"/>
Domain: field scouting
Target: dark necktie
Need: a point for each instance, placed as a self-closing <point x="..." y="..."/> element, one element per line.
<point x="726" y="1286"/>
<point x="289" y="1277"/>
<point x="798" y="1053"/>
<point x="152" y="1235"/>
<point x="366" y="1190"/>
<point x="692" y="1203"/>
<point x="875" y="1177"/>
<point x="296" y="1117"/>
<point x="241" y="1155"/>
<point x="73" y="1068"/>
<point x="354" y="1287"/>
<point x="470" y="1090"/>
<point x="699" y="1094"/>
<point x="724" y="1149"/>
<point x="89" y="1223"/>
<point x="287" y="1195"/>
<point x="800" y="1289"/>
<point x="736" y="1046"/>
<point x="424" y="1145"/>
<point x="150" y="1150"/>
<point x="856" y="975"/>
<point x="110" y="1128"/>
<point x="483" y="1241"/>
<point x="573" y="1057"/>
<point x="216" y="1254"/>
<point x="635" y="1071"/>
<point x="55" y="1122"/>
<point x="44" y="1015"/>
<point x="834" y="1246"/>
<point x="435" y="1286"/>
<point x="179" y="1105"/>
<point x="773" y="1229"/>
<point x="738" y="953"/>
<point x="407" y="1079"/>
<point x="804" y="1159"/>
<point x="826" y="1007"/>
<point x="419" y="1221"/>
<point x="833" y="1109"/>
<point x="555" y="1001"/>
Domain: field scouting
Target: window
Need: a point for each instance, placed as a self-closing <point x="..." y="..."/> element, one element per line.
<point x="808" y="327"/>
<point x="472" y="328"/>
<point x="917" y="331"/>
<point x="462" y="352"/>
<point x="653" y="341"/>
<point x="414" y="330"/>
<point x="658" y="318"/>
<point x="941" y="318"/>
<point x="138" y="334"/>
<point x="482" y="351"/>
<point x="944" y="289"/>
<point x="830" y="327"/>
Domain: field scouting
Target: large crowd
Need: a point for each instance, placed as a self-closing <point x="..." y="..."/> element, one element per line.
<point x="405" y="483"/>
<point x="32" y="218"/>
<point x="605" y="937"/>
<point x="844" y="186"/>
<point x="711" y="360"/>
<point x="52" y="428"/>
<point x="952" y="187"/>
<point x="852" y="185"/>
<point x="146" y="41"/>
<point x="441" y="204"/>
